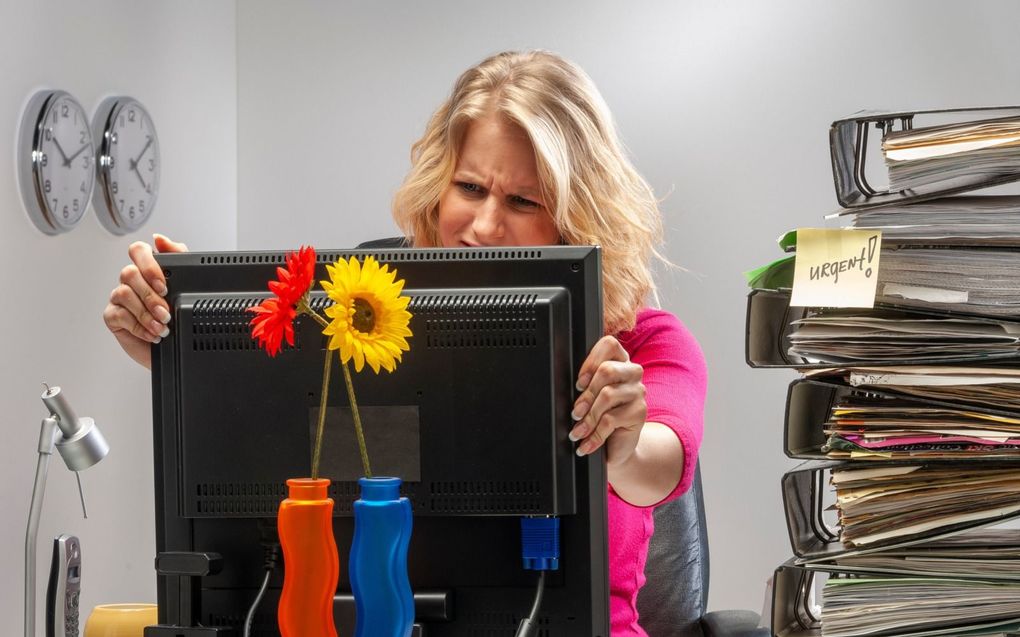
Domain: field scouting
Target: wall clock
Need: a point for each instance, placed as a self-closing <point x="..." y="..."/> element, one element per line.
<point x="127" y="166"/>
<point x="56" y="158"/>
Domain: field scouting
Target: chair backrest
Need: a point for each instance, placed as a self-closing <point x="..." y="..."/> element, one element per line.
<point x="675" y="595"/>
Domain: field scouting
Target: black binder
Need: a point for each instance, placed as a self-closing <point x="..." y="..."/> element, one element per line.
<point x="848" y="145"/>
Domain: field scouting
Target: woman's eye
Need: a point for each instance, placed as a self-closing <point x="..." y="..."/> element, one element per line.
<point x="521" y="202"/>
<point x="469" y="187"/>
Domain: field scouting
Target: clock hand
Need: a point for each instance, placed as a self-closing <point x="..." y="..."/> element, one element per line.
<point x="134" y="166"/>
<point x="139" y="158"/>
<point x="67" y="162"/>
<point x="78" y="152"/>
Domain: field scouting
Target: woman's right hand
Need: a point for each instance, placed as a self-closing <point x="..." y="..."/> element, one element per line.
<point x="137" y="313"/>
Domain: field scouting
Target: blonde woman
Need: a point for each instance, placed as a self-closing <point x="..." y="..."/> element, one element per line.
<point x="524" y="152"/>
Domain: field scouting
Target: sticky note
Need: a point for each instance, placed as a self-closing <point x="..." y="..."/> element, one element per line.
<point x="836" y="267"/>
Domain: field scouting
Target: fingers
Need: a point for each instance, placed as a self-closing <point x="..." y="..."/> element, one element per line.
<point x="613" y="399"/>
<point x="145" y="264"/>
<point x="606" y="349"/>
<point x="164" y="244"/>
<point x="120" y="320"/>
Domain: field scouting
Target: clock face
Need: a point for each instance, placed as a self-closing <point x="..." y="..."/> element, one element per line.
<point x="128" y="165"/>
<point x="57" y="169"/>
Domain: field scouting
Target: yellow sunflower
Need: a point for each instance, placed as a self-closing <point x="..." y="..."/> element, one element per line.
<point x="369" y="316"/>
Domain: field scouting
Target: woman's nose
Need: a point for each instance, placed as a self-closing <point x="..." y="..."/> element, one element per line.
<point x="488" y="221"/>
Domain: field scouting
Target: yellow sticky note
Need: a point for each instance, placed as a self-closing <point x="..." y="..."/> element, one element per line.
<point x="836" y="268"/>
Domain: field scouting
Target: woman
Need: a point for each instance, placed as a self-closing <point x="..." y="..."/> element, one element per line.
<point x="524" y="152"/>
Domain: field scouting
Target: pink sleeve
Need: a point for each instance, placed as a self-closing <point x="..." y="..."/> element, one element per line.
<point x="675" y="377"/>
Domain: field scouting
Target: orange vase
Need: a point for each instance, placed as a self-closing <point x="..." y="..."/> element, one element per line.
<point x="310" y="563"/>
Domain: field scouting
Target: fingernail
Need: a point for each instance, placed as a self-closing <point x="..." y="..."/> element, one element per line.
<point x="581" y="452"/>
<point x="576" y="434"/>
<point x="161" y="314"/>
<point x="160" y="288"/>
<point x="156" y="340"/>
<point x="166" y="330"/>
<point x="582" y="382"/>
<point x="580" y="409"/>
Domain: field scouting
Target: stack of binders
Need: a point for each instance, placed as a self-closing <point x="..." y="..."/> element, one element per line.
<point x="907" y="414"/>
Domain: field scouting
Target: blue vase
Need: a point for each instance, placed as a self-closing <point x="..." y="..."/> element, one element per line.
<point x="378" y="564"/>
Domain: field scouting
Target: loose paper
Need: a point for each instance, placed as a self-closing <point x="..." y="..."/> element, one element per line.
<point x="836" y="268"/>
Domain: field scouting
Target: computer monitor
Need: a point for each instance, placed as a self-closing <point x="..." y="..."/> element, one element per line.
<point x="474" y="420"/>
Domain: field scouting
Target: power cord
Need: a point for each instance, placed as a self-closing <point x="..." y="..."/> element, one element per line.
<point x="528" y="625"/>
<point x="271" y="553"/>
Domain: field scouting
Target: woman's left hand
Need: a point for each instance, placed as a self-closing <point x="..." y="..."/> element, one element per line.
<point x="611" y="409"/>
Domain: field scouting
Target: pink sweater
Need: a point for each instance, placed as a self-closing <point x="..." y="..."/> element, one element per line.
<point x="675" y="378"/>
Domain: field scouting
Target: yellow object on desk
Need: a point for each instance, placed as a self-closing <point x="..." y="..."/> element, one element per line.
<point x="120" y="620"/>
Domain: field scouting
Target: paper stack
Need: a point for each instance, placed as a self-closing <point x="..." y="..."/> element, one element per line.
<point x="908" y="413"/>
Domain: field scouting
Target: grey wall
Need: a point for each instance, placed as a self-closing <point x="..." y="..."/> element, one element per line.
<point x="179" y="59"/>
<point x="300" y="115"/>
<point x="725" y="107"/>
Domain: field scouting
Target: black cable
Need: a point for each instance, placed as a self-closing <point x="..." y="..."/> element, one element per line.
<point x="269" y="563"/>
<point x="255" y="604"/>
<point x="527" y="626"/>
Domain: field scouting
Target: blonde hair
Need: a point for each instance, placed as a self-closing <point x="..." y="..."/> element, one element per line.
<point x="594" y="194"/>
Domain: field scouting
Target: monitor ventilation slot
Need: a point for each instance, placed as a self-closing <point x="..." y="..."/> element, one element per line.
<point x="494" y="320"/>
<point x="242" y="259"/>
<point x="220" y="325"/>
<point x="486" y="624"/>
<point x="240" y="499"/>
<point x="488" y="497"/>
<point x="280" y="258"/>
<point x="470" y="254"/>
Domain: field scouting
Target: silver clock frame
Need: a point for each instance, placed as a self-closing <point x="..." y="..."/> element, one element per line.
<point x="29" y="160"/>
<point x="102" y="199"/>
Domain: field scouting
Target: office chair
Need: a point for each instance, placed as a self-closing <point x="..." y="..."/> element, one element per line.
<point x="673" y="600"/>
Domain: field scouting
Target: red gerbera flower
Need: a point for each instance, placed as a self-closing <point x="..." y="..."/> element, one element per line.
<point x="275" y="317"/>
<point x="273" y="323"/>
<point x="295" y="280"/>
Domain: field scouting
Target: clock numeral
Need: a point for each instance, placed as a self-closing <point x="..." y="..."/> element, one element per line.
<point x="115" y="188"/>
<point x="148" y="188"/>
<point x="55" y="202"/>
<point x="141" y="206"/>
<point x="75" y="205"/>
<point x="65" y="111"/>
<point x="82" y="188"/>
<point x="84" y="137"/>
<point x="131" y="212"/>
<point x="44" y="160"/>
<point x="47" y="186"/>
<point x="87" y="160"/>
<point x="67" y="213"/>
<point x="152" y="165"/>
<point x="121" y="206"/>
<point x="49" y="132"/>
<point x="131" y="115"/>
<point x="113" y="162"/>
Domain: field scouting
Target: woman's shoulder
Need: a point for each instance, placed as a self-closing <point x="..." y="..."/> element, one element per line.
<point x="655" y="327"/>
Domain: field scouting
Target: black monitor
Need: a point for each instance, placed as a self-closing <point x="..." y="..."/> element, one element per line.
<point x="474" y="420"/>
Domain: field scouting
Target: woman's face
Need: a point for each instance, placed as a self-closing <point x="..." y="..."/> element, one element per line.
<point x="494" y="198"/>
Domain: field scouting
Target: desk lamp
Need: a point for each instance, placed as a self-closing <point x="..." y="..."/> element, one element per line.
<point x="81" y="445"/>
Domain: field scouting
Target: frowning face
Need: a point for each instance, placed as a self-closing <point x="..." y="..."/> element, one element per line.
<point x="495" y="198"/>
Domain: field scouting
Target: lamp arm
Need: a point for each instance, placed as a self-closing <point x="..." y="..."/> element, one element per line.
<point x="47" y="440"/>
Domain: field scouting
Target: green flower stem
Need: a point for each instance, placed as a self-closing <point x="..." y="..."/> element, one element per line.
<point x="327" y="365"/>
<point x="317" y="451"/>
<point x="357" y="422"/>
<point x="303" y="308"/>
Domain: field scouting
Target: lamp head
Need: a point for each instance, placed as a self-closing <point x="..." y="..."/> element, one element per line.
<point x="81" y="444"/>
